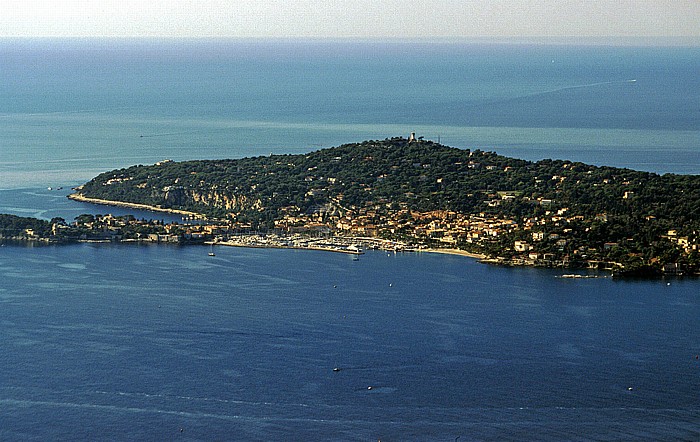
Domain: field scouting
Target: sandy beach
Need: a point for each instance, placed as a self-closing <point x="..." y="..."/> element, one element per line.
<point x="455" y="252"/>
<point x="81" y="198"/>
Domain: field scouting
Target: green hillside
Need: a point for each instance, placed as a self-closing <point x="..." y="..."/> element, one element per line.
<point x="394" y="179"/>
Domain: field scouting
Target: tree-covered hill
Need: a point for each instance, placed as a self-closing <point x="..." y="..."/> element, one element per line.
<point x="19" y="227"/>
<point x="419" y="175"/>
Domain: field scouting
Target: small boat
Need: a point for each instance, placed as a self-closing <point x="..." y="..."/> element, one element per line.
<point x="337" y="369"/>
<point x="212" y="254"/>
<point x="211" y="251"/>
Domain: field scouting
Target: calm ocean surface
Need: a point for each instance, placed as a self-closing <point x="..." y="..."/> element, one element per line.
<point x="137" y="342"/>
<point x="140" y="342"/>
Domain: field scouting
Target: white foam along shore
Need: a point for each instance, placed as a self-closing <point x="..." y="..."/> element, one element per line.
<point x="84" y="199"/>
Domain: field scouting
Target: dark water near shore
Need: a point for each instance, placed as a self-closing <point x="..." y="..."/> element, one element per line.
<point x="140" y="342"/>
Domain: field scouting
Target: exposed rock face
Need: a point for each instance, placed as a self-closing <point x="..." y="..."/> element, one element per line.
<point x="173" y="196"/>
<point x="179" y="196"/>
<point x="224" y="201"/>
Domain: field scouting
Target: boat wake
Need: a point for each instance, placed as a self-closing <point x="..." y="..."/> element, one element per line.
<point x="580" y="86"/>
<point x="148" y="396"/>
<point x="168" y="134"/>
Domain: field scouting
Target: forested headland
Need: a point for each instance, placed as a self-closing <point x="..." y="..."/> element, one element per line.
<point x="548" y="213"/>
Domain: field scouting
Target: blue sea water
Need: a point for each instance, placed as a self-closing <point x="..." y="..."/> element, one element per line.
<point x="140" y="342"/>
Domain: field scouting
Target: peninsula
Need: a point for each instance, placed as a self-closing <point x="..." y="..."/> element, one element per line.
<point x="417" y="194"/>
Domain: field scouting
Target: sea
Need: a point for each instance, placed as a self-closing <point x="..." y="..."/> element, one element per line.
<point x="162" y="342"/>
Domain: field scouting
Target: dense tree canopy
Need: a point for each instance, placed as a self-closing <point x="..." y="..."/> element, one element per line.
<point x="419" y="175"/>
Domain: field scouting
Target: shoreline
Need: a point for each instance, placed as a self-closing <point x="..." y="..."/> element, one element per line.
<point x="84" y="199"/>
<point x="275" y="246"/>
<point x="80" y="198"/>
<point x="456" y="252"/>
<point x="482" y="258"/>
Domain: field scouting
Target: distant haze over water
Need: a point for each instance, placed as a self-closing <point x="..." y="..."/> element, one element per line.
<point x="70" y="109"/>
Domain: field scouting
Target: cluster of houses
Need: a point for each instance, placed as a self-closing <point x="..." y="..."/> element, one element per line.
<point x="547" y="240"/>
<point x="128" y="228"/>
<point x="515" y="242"/>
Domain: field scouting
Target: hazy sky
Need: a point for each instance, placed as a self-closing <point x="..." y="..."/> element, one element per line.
<point x="350" y="18"/>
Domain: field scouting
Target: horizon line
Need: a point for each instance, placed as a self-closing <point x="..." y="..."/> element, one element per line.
<point x="510" y="40"/>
